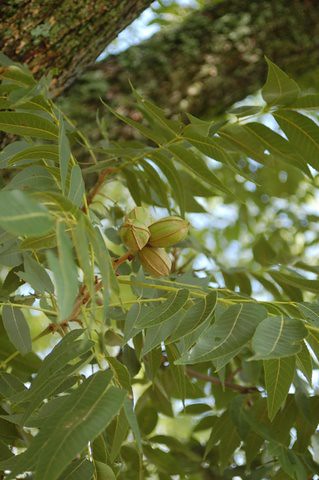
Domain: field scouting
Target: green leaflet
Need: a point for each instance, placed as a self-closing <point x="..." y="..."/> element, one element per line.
<point x="9" y="385"/>
<point x="36" y="275"/>
<point x="302" y="133"/>
<point x="104" y="472"/>
<point x="80" y="469"/>
<point x="196" y="314"/>
<point x="132" y="420"/>
<point x="76" y="190"/>
<point x="173" y="177"/>
<point x="64" y="154"/>
<point x="304" y="362"/>
<point x="230" y="332"/>
<point x="20" y="214"/>
<point x="81" y="417"/>
<point x="306" y="102"/>
<point x="196" y="165"/>
<point x="28" y="124"/>
<point x="56" y="369"/>
<point x="105" y="264"/>
<point x="277" y="337"/>
<point x="65" y="273"/>
<point x="158" y="333"/>
<point x="155" y="315"/>
<point x="17" y="328"/>
<point x="36" y="152"/>
<point x="279" y="89"/>
<point x="81" y="243"/>
<point x="279" y="374"/>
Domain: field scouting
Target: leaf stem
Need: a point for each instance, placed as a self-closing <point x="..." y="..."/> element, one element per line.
<point x="158" y="287"/>
<point x="30" y="307"/>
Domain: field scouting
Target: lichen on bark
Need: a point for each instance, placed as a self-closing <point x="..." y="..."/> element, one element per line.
<point x="66" y="36"/>
<point x="212" y="59"/>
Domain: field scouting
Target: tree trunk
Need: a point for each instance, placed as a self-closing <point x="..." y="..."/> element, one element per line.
<point x="210" y="61"/>
<point x="65" y="35"/>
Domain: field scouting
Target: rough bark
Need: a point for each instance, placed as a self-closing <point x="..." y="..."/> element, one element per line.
<point x="211" y="60"/>
<point x="65" y="35"/>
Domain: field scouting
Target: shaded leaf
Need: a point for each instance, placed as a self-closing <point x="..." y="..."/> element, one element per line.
<point x="17" y="328"/>
<point x="28" y="124"/>
<point x="277" y="337"/>
<point x="80" y="469"/>
<point x="65" y="273"/>
<point x="155" y="315"/>
<point x="303" y="134"/>
<point x="76" y="190"/>
<point x="36" y="275"/>
<point x="279" y="89"/>
<point x="279" y="374"/>
<point x="20" y="214"/>
<point x="230" y="332"/>
<point x="64" y="154"/>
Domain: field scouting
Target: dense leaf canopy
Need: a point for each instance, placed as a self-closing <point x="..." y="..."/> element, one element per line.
<point x="207" y="373"/>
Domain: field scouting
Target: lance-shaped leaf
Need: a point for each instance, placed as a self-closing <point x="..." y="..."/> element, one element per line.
<point x="173" y="177"/>
<point x="76" y="190"/>
<point x="132" y="420"/>
<point x="279" y="89"/>
<point x="79" y="418"/>
<point x="60" y="371"/>
<point x="36" y="152"/>
<point x="65" y="273"/>
<point x="82" y="248"/>
<point x="17" y="328"/>
<point x="194" y="163"/>
<point x="80" y="469"/>
<point x="230" y="332"/>
<point x="20" y="214"/>
<point x="28" y="124"/>
<point x="195" y="315"/>
<point x="105" y="264"/>
<point x="303" y="134"/>
<point x="156" y="315"/>
<point x="278" y="337"/>
<point x="9" y="385"/>
<point x="304" y="362"/>
<point x="64" y="154"/>
<point x="158" y="333"/>
<point x="279" y="374"/>
<point x="254" y="138"/>
<point x="306" y="102"/>
<point x="36" y="275"/>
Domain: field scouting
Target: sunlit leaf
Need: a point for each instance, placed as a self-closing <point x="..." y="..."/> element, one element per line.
<point x="277" y="337"/>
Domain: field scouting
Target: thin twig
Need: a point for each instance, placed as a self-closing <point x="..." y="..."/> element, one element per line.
<point x="216" y="381"/>
<point x="127" y="256"/>
<point x="101" y="178"/>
